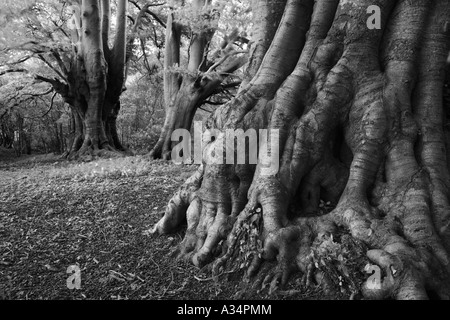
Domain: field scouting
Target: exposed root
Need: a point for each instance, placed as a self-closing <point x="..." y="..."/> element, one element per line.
<point x="326" y="256"/>
<point x="156" y="153"/>
<point x="90" y="150"/>
<point x="175" y="212"/>
<point x="391" y="193"/>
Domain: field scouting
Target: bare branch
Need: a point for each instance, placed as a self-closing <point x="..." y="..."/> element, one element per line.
<point x="31" y="46"/>
<point x="157" y="18"/>
<point x="52" y="67"/>
<point x="38" y="94"/>
<point x="62" y="30"/>
<point x="23" y="59"/>
<point x="57" y="85"/>
<point x="144" y="54"/>
<point x="60" y="62"/>
<point x="146" y="9"/>
<point x="51" y="105"/>
<point x="12" y="71"/>
<point x="224" y="58"/>
<point x="148" y="3"/>
<point x="24" y="98"/>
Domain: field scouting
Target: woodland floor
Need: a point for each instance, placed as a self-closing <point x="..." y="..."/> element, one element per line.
<point x="56" y="213"/>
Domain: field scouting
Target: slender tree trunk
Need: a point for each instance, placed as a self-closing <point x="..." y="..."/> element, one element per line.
<point x="116" y="58"/>
<point x="362" y="126"/>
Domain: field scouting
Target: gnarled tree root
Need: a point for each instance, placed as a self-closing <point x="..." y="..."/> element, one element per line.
<point x="387" y="174"/>
<point x="90" y="149"/>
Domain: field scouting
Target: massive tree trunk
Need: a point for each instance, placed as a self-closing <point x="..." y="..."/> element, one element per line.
<point x="362" y="127"/>
<point x="91" y="77"/>
<point x="95" y="78"/>
<point x="185" y="91"/>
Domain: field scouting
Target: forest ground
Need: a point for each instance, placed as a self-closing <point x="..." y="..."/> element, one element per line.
<point x="55" y="213"/>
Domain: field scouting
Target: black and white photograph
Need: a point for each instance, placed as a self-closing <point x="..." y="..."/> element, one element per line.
<point x="224" y="157"/>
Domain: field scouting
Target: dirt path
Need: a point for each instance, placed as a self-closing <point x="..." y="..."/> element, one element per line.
<point x="54" y="214"/>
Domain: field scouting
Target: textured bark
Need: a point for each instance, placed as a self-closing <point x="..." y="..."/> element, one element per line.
<point x="95" y="66"/>
<point x="363" y="122"/>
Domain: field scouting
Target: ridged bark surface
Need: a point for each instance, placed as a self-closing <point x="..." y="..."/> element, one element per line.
<point x="363" y="126"/>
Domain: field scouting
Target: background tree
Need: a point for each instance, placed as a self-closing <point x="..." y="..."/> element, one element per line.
<point x="362" y="126"/>
<point x="189" y="84"/>
<point x="75" y="42"/>
<point x="31" y="116"/>
<point x="142" y="114"/>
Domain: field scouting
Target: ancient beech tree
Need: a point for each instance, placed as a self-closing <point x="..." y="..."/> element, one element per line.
<point x="362" y="125"/>
<point x="96" y="74"/>
<point x="186" y="90"/>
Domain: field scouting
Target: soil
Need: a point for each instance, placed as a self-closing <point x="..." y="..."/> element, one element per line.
<point x="56" y="213"/>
